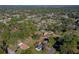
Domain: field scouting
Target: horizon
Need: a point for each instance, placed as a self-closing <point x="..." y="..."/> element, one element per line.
<point x="42" y="6"/>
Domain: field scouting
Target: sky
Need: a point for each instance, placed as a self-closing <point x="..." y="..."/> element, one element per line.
<point x="39" y="2"/>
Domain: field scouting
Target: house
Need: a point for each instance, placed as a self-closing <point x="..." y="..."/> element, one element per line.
<point x="39" y="46"/>
<point x="5" y="21"/>
<point x="58" y="43"/>
<point x="51" y="50"/>
<point x="50" y="15"/>
<point x="10" y="51"/>
<point x="46" y="40"/>
<point x="65" y="16"/>
<point x="23" y="46"/>
<point x="16" y="15"/>
<point x="1" y="21"/>
<point x="20" y="21"/>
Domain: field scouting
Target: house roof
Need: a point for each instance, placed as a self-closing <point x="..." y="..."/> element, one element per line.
<point x="23" y="45"/>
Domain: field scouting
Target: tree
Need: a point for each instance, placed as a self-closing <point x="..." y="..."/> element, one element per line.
<point x="70" y="43"/>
